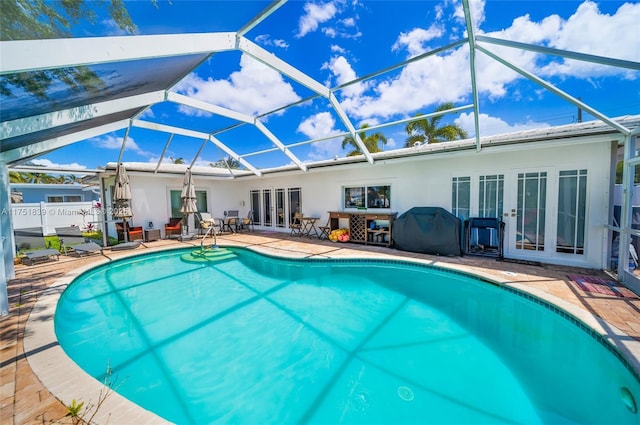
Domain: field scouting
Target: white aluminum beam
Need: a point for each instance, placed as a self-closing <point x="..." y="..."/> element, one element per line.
<point x="196" y="135"/>
<point x="124" y="143"/>
<point x="40" y="148"/>
<point x="553" y="89"/>
<point x="49" y="120"/>
<point x="602" y="60"/>
<point x="280" y="145"/>
<point x="169" y="129"/>
<point x="235" y="156"/>
<point x="472" y="69"/>
<point x="164" y="152"/>
<point x="275" y="5"/>
<point x="347" y="122"/>
<point x="32" y="55"/>
<point x="208" y="107"/>
<point x="197" y="155"/>
<point x="281" y="66"/>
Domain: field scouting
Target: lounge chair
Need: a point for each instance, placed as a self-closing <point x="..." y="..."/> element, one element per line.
<point x="31" y="244"/>
<point x="126" y="245"/>
<point x="206" y="221"/>
<point x="72" y="240"/>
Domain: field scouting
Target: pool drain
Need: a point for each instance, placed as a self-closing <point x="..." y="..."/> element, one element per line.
<point x="405" y="393"/>
<point x="628" y="399"/>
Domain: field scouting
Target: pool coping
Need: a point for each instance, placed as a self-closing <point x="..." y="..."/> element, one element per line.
<point x="67" y="381"/>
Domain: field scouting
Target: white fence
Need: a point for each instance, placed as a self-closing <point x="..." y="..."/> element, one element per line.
<point x="59" y="214"/>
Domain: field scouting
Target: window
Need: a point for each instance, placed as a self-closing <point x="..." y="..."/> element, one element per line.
<point x="372" y="197"/>
<point x="280" y="196"/>
<point x="572" y="194"/>
<point x="491" y="196"/>
<point x="176" y="202"/>
<point x="295" y="202"/>
<point x="531" y="211"/>
<point x="255" y="205"/>
<point x="64" y="198"/>
<point x="461" y="197"/>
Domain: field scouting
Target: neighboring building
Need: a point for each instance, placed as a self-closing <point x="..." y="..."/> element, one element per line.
<point x="54" y="193"/>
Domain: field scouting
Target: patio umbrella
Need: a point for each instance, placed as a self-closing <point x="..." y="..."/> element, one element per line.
<point x="122" y="197"/>
<point x="188" y="196"/>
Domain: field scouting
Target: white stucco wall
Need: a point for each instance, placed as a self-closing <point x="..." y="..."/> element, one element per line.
<point x="417" y="181"/>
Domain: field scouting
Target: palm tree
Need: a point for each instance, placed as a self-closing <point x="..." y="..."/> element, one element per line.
<point x="17" y="177"/>
<point x="426" y="130"/>
<point x="370" y="141"/>
<point x="177" y="160"/>
<point x="227" y="162"/>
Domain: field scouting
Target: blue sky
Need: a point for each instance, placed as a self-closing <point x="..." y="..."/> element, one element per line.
<point x="338" y="41"/>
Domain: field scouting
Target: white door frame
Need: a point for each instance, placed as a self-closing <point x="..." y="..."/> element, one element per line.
<point x="511" y="210"/>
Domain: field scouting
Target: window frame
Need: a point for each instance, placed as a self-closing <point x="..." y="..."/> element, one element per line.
<point x="367" y="197"/>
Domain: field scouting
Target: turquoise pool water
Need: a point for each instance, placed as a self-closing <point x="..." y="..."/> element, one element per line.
<point x="256" y="340"/>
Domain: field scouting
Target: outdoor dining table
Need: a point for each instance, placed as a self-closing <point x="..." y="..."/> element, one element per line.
<point x="309" y="226"/>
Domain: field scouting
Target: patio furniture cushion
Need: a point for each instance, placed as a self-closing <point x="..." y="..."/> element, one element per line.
<point x="173" y="227"/>
<point x="126" y="245"/>
<point x="72" y="239"/>
<point x="134" y="233"/>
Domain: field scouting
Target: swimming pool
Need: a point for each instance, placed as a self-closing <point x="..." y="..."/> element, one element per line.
<point x="256" y="339"/>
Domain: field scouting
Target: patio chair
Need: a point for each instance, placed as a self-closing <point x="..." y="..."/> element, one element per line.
<point x="296" y="224"/>
<point x="72" y="240"/>
<point x="173" y="227"/>
<point x="31" y="244"/>
<point x="325" y="230"/>
<point x="247" y="223"/>
<point x="134" y="233"/>
<point x="206" y="221"/>
<point x="230" y="224"/>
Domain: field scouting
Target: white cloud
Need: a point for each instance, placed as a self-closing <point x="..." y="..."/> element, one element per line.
<point x="587" y="31"/>
<point x="112" y="28"/>
<point x="316" y="14"/>
<point x="446" y="77"/>
<point x="109" y="141"/>
<point x="592" y="32"/>
<point x="342" y="70"/>
<point x="330" y="32"/>
<point x="266" y="40"/>
<point x="476" y="9"/>
<point x="434" y="80"/>
<point x="348" y="22"/>
<point x="415" y="39"/>
<point x="49" y="164"/>
<point x="252" y="90"/>
<point x="493" y="125"/>
<point x="317" y="126"/>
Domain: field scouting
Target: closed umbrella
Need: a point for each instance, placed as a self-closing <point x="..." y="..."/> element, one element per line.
<point x="188" y="196"/>
<point x="122" y="197"/>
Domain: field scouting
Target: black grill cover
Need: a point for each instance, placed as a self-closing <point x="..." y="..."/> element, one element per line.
<point x="429" y="230"/>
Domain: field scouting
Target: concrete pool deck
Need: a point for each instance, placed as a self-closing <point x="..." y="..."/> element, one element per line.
<point x="36" y="378"/>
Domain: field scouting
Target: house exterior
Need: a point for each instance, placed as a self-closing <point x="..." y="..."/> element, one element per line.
<point x="552" y="187"/>
<point x="42" y="192"/>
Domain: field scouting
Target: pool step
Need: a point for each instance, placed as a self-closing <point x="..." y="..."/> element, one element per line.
<point x="208" y="255"/>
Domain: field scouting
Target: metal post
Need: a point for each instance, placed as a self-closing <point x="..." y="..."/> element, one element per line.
<point x="7" y="270"/>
